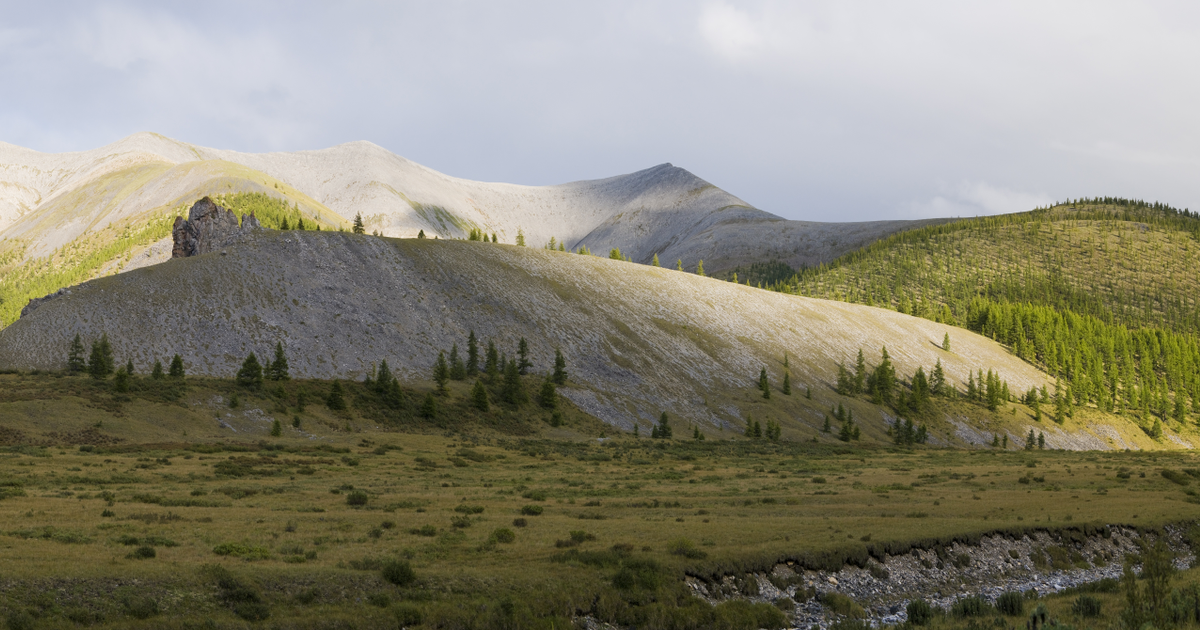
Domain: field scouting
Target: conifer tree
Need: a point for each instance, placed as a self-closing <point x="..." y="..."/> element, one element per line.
<point x="157" y="372"/>
<point x="1041" y="440"/>
<point x="176" y="370"/>
<point x="100" y="363"/>
<point x="785" y="359"/>
<point x="548" y="396"/>
<point x="1180" y="411"/>
<point x="884" y="380"/>
<point x="787" y="383"/>
<point x="359" y="228"/>
<point x="278" y="370"/>
<point x="937" y="381"/>
<point x="664" y="427"/>
<point x="472" y="355"/>
<point x="129" y="367"/>
<point x="808" y="392"/>
<point x="121" y="381"/>
<point x="383" y="378"/>
<point x="75" y="362"/>
<point x="560" y="368"/>
<point x="494" y="239"/>
<point x="615" y="254"/>
<point x="393" y="397"/>
<point x="520" y="237"/>
<point x="700" y="269"/>
<point x="679" y="265"/>
<point x="514" y="390"/>
<point x="336" y="400"/>
<point x="251" y="373"/>
<point x="429" y="406"/>
<point x="946" y="342"/>
<point x="479" y="396"/>
<point x="920" y="391"/>
<point x="491" y="364"/>
<point x="524" y="363"/>
<point x="441" y="374"/>
<point x="696" y="434"/>
<point x="1030" y="440"/>
<point x="825" y="427"/>
<point x="845" y="383"/>
<point x="654" y="262"/>
<point x="458" y="371"/>
<point x="421" y="234"/>
<point x="764" y="384"/>
<point x="276" y="426"/>
<point x="860" y="373"/>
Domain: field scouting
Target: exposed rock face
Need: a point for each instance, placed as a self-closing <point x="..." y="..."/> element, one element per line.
<point x="36" y="302"/>
<point x="208" y="227"/>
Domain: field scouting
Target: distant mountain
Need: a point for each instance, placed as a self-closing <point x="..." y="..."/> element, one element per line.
<point x="68" y="217"/>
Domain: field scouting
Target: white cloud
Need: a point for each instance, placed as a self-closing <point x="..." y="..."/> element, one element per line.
<point x="967" y="199"/>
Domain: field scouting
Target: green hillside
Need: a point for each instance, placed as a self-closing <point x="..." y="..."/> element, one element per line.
<point x="1101" y="293"/>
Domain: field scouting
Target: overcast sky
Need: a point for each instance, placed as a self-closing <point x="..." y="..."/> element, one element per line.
<point x="809" y="110"/>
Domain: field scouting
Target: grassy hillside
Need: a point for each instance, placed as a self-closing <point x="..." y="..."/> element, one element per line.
<point x="1102" y="294"/>
<point x="166" y="507"/>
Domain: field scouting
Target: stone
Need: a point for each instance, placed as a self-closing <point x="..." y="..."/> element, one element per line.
<point x="208" y="228"/>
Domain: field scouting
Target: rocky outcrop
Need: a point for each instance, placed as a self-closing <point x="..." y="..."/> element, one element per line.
<point x="36" y="302"/>
<point x="207" y="228"/>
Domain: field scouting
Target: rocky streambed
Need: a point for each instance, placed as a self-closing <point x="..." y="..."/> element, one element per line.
<point x="1044" y="561"/>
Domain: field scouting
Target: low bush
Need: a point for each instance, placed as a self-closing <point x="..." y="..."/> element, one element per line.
<point x="920" y="613"/>
<point x="1011" y="604"/>
<point x="357" y="497"/>
<point x="407" y="615"/>
<point x="532" y="510"/>
<point x="399" y="572"/>
<point x="843" y="605"/>
<point x="503" y="535"/>
<point x="1086" y="606"/>
<point x="686" y="548"/>
<point x="971" y="607"/>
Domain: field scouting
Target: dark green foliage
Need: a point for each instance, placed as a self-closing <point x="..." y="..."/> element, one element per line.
<point x="860" y="373"/>
<point x="472" y="355"/>
<point x="882" y="381"/>
<point x="176" y="370"/>
<point x="491" y="363"/>
<point x="383" y="378"/>
<point x="100" y="362"/>
<point x="946" y="343"/>
<point x="398" y="572"/>
<point x="157" y="372"/>
<point x="513" y="391"/>
<point x="278" y="370"/>
<point x="787" y="383"/>
<point x="20" y="620"/>
<point x="1011" y="603"/>
<point x="276" y="428"/>
<point x="753" y="429"/>
<point x="548" y="396"/>
<point x="140" y="607"/>
<point x="336" y="399"/>
<point x="937" y="380"/>
<point x="479" y="396"/>
<point x="421" y="234"/>
<point x="407" y="615"/>
<point x="920" y="613"/>
<point x="393" y="397"/>
<point x="904" y="433"/>
<point x="251" y="373"/>
<point x="458" y="370"/>
<point x="357" y="497"/>
<point x="359" y="228"/>
<point x="764" y="384"/>
<point x="441" y="374"/>
<point x="523" y="364"/>
<point x="243" y="598"/>
<point x="773" y="431"/>
<point x="75" y="362"/>
<point x="662" y="430"/>
<point x="560" y="368"/>
<point x="429" y="407"/>
<point x="121" y="382"/>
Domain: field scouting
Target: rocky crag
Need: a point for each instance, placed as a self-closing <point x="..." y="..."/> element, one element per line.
<point x="208" y="228"/>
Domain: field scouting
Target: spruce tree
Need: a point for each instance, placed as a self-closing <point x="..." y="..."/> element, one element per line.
<point x="75" y="361"/>
<point x="937" y="382"/>
<point x="523" y="354"/>
<point x="514" y="390"/>
<point x="860" y="373"/>
<point x="383" y="378"/>
<point x="520" y="237"/>
<point x="1041" y="440"/>
<point x="458" y="371"/>
<point x="1030" y="441"/>
<point x="100" y="362"/>
<point x="441" y="374"/>
<point x="251" y="374"/>
<point x="808" y="393"/>
<point x="129" y="367"/>
<point x="696" y="434"/>
<point x="429" y="406"/>
<point x="654" y="262"/>
<point x="421" y="234"/>
<point x="336" y="399"/>
<point x="548" y="396"/>
<point x="394" y="396"/>
<point x="472" y="355"/>
<point x="176" y="370"/>
<point x="359" y="228"/>
<point x="491" y="364"/>
<point x="157" y="372"/>
<point x="787" y="383"/>
<point x="278" y="370"/>
<point x="276" y="428"/>
<point x="479" y="396"/>
<point x="845" y="383"/>
<point x="946" y="342"/>
<point x="664" y="427"/>
<point x="884" y="380"/>
<point x="700" y="268"/>
<point x="764" y="384"/>
<point x="121" y="381"/>
<point x="679" y="265"/>
<point x="825" y="427"/>
<point x="560" y="368"/>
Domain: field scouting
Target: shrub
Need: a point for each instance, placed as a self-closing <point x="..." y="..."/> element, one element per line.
<point x="686" y="548"/>
<point x="920" y="613"/>
<point x="379" y="599"/>
<point x="739" y="613"/>
<point x="520" y="522"/>
<point x="1011" y="604"/>
<point x="460" y="522"/>
<point x="504" y="535"/>
<point x="20" y="620"/>
<point x="240" y="550"/>
<point x="252" y="611"/>
<point x="407" y="615"/>
<point x="143" y="553"/>
<point x="843" y="605"/>
<point x="357" y="497"/>
<point x="468" y="509"/>
<point x="532" y="510"/>
<point x="1086" y="606"/>
<point x="974" y="606"/>
<point x="424" y="530"/>
<point x="141" y="607"/>
<point x="398" y="572"/>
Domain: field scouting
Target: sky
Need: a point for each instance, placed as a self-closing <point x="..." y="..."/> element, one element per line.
<point x="825" y="111"/>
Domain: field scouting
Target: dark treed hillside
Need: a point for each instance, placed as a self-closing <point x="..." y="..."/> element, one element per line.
<point x="1104" y="293"/>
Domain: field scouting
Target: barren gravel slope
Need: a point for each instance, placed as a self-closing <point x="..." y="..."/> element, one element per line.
<point x="638" y="339"/>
